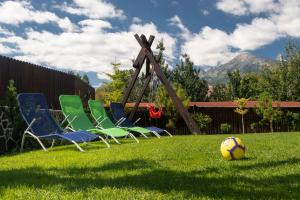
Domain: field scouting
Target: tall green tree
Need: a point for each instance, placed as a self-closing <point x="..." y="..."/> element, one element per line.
<point x="164" y="100"/>
<point x="85" y="78"/>
<point x="13" y="106"/>
<point x="249" y="87"/>
<point x="241" y="110"/>
<point x="265" y="110"/>
<point x="235" y="79"/>
<point x="114" y="90"/>
<point x="220" y="92"/>
<point x="189" y="78"/>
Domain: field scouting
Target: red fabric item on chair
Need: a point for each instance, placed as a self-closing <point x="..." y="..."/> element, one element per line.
<point x="153" y="113"/>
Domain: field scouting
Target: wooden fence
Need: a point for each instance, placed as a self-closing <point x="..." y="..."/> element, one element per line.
<point x="36" y="79"/>
<point x="218" y="116"/>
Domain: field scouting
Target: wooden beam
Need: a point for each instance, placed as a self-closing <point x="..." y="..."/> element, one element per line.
<point x="137" y="103"/>
<point x="141" y="56"/>
<point x="131" y="84"/>
<point x="138" y="64"/>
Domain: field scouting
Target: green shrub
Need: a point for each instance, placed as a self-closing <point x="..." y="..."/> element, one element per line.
<point x="225" y="128"/>
<point x="202" y="120"/>
<point x="254" y="126"/>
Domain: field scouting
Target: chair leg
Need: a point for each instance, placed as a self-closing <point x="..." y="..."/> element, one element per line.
<point x="168" y="133"/>
<point x="115" y="139"/>
<point x="23" y="141"/>
<point x="145" y="136"/>
<point x="52" y="145"/>
<point x="133" y="137"/>
<point x="78" y="147"/>
<point x="156" y="134"/>
<point x="101" y="138"/>
<point x="41" y="143"/>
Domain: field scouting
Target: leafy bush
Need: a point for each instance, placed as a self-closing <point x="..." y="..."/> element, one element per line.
<point x="254" y="126"/>
<point x="225" y="128"/>
<point x="13" y="107"/>
<point x="202" y="120"/>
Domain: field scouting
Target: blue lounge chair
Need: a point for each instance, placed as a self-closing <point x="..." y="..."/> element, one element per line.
<point x="122" y="120"/>
<point x="41" y="125"/>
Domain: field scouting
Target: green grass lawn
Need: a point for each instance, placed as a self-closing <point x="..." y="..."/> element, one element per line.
<point x="182" y="167"/>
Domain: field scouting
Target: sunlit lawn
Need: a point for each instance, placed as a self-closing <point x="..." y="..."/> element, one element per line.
<point x="182" y="167"/>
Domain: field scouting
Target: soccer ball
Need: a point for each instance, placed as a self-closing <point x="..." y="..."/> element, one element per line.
<point x="232" y="148"/>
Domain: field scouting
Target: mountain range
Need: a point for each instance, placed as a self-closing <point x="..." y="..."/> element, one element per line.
<point x="244" y="62"/>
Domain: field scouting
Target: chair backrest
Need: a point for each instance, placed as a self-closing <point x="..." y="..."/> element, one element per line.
<point x="72" y="108"/>
<point x="99" y="113"/>
<point x="118" y="112"/>
<point x="34" y="106"/>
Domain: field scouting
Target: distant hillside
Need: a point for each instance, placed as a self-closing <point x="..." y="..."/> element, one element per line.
<point x="244" y="62"/>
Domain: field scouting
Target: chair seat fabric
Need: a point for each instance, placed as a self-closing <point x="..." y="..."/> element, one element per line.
<point x="156" y="129"/>
<point x="80" y="136"/>
<point x="115" y="132"/>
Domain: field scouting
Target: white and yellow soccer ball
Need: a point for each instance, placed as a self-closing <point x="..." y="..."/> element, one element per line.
<point x="232" y="148"/>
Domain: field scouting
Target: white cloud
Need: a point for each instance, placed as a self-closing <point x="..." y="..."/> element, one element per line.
<point x="176" y="21"/>
<point x="136" y="20"/>
<point x="208" y="47"/>
<point x="5" y="50"/>
<point x="205" y="12"/>
<point x="102" y="76"/>
<point x="251" y="36"/>
<point x="232" y="6"/>
<point x="95" y="9"/>
<point x="91" y="48"/>
<point x="288" y="18"/>
<point x="5" y="32"/>
<point x="18" y="12"/>
<point x="242" y="7"/>
<point x="213" y="46"/>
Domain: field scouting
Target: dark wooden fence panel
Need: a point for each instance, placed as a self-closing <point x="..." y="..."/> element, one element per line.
<point x="219" y="116"/>
<point x="33" y="78"/>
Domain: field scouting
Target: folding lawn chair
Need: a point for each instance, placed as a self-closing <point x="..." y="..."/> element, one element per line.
<point x="73" y="111"/>
<point x="41" y="125"/>
<point x="103" y="121"/>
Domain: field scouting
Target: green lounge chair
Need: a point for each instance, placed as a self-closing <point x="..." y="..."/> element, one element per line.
<point x="99" y="114"/>
<point x="73" y="111"/>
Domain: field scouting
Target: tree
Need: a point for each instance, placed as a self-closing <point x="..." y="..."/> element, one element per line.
<point x="235" y="84"/>
<point x="186" y="75"/>
<point x="114" y="91"/>
<point x="291" y="119"/>
<point x="13" y="106"/>
<point x="85" y="78"/>
<point x="241" y="109"/>
<point x="202" y="120"/>
<point x="161" y="60"/>
<point x="249" y="87"/>
<point x="220" y="92"/>
<point x="265" y="110"/>
<point x="164" y="100"/>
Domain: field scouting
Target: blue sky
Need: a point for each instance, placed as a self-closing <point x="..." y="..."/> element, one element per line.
<point x="87" y="35"/>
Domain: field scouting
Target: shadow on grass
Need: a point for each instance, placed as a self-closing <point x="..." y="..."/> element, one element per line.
<point x="144" y="175"/>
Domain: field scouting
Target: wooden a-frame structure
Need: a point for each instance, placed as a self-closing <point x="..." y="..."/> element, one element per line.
<point x="146" y="54"/>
